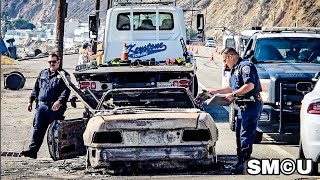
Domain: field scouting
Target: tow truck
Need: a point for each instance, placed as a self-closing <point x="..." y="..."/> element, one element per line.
<point x="155" y="37"/>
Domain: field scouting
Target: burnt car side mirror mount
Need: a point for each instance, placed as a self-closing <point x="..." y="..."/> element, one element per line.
<point x="316" y="77"/>
<point x="249" y="54"/>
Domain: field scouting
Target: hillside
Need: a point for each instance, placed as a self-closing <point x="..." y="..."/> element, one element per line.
<point x="219" y="12"/>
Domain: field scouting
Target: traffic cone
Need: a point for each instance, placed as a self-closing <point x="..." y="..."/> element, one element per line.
<point x="192" y="48"/>
<point x="212" y="58"/>
<point x="188" y="47"/>
<point x="167" y="61"/>
<point x="196" y="51"/>
<point x="124" y="56"/>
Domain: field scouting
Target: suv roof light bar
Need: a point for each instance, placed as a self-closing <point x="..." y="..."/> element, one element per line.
<point x="140" y="2"/>
<point x="291" y="29"/>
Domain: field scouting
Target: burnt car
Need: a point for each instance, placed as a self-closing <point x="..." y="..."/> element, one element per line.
<point x="145" y="127"/>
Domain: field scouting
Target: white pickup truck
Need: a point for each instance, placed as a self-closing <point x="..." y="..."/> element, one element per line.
<point x="155" y="38"/>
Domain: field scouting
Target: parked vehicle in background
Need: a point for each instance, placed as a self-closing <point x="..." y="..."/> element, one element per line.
<point x="309" y="146"/>
<point x="210" y="42"/>
<point x="286" y="60"/>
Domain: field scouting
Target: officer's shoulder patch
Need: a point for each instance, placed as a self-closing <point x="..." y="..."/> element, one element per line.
<point x="246" y="69"/>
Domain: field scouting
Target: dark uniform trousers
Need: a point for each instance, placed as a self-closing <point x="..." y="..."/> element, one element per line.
<point x="246" y="125"/>
<point x="43" y="117"/>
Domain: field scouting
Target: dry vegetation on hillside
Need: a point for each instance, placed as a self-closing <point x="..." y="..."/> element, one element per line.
<point x="219" y="12"/>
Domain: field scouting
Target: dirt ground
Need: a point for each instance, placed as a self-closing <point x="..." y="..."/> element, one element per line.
<point x="16" y="128"/>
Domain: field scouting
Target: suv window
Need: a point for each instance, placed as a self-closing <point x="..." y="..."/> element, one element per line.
<point x="288" y="49"/>
<point x="145" y="21"/>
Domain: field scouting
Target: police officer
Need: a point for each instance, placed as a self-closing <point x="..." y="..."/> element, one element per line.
<point x="51" y="95"/>
<point x="244" y="82"/>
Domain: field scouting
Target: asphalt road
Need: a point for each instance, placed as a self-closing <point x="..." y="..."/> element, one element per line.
<point x="16" y="127"/>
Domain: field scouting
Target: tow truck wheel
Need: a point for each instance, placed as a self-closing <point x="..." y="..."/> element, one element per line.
<point x="195" y="86"/>
<point x="258" y="137"/>
<point x="232" y="117"/>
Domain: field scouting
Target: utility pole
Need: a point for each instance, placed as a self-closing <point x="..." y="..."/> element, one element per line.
<point x="95" y="40"/>
<point x="190" y="32"/>
<point x="60" y="28"/>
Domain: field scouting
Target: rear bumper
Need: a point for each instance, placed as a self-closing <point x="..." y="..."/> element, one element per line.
<point x="101" y="157"/>
<point x="269" y="121"/>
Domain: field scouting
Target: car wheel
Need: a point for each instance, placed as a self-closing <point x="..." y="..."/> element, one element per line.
<point x="232" y="118"/>
<point x="301" y="154"/>
<point x="88" y="165"/>
<point x="314" y="164"/>
<point x="258" y="137"/>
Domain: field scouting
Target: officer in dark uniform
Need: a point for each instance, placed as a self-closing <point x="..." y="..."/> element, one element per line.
<point x="244" y="87"/>
<point x="51" y="95"/>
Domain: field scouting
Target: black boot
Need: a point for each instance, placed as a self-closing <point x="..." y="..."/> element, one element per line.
<point x="238" y="168"/>
<point x="29" y="154"/>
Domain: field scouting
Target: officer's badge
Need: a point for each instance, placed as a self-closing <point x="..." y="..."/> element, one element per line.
<point x="236" y="72"/>
<point x="246" y="70"/>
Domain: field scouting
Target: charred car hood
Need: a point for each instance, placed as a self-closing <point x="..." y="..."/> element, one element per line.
<point x="287" y="70"/>
<point x="147" y="121"/>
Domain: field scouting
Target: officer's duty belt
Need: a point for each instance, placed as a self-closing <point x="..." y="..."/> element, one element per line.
<point x="245" y="101"/>
<point x="46" y="103"/>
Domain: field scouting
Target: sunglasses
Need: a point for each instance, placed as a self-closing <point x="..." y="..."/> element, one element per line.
<point x="52" y="62"/>
<point x="224" y="60"/>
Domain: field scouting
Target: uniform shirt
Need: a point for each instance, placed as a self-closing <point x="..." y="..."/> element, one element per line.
<point x="50" y="87"/>
<point x="242" y="73"/>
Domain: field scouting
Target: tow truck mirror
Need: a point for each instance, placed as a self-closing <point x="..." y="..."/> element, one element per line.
<point x="200" y="22"/>
<point x="92" y="26"/>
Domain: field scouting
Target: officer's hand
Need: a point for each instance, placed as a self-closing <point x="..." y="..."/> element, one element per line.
<point x="213" y="92"/>
<point x="229" y="97"/>
<point x="30" y="107"/>
<point x="56" y="106"/>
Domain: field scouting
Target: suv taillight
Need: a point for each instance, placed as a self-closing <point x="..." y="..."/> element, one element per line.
<point x="314" y="108"/>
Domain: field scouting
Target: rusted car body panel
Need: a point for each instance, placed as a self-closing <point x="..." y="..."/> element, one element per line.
<point x="65" y="139"/>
